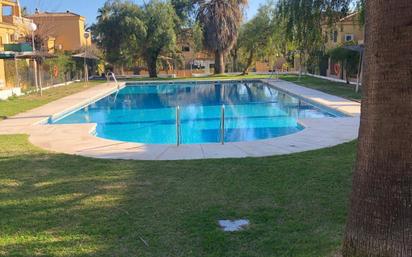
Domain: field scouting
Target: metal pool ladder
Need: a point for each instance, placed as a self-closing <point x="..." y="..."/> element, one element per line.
<point x="111" y="74"/>
<point x="222" y="125"/>
<point x="179" y="126"/>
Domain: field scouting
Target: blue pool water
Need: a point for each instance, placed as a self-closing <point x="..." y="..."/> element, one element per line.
<point x="147" y="113"/>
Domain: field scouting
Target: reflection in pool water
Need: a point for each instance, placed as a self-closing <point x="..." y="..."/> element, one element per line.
<point x="147" y="113"/>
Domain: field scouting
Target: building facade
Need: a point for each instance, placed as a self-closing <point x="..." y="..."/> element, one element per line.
<point x="347" y="30"/>
<point x="194" y="62"/>
<point x="13" y="29"/>
<point x="61" y="30"/>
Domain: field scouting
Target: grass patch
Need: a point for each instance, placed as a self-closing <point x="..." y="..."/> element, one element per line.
<point x="61" y="205"/>
<point x="333" y="88"/>
<point x="20" y="104"/>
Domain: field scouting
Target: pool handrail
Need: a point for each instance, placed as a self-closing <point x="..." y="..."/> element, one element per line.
<point x="222" y="125"/>
<point x="111" y="74"/>
<point x="178" y="126"/>
<point x="115" y="80"/>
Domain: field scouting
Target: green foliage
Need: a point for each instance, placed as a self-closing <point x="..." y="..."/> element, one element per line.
<point x="303" y="19"/>
<point x="158" y="32"/>
<point x="315" y="60"/>
<point x="349" y="59"/>
<point x="220" y="22"/>
<point x="128" y="32"/>
<point x="185" y="10"/>
<point x="114" y="31"/>
<point x="260" y="37"/>
<point x="64" y="64"/>
<point x="197" y="37"/>
<point x="361" y="5"/>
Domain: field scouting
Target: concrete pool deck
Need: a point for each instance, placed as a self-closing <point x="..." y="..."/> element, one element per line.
<point x="78" y="139"/>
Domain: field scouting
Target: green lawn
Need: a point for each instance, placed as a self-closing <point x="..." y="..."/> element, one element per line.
<point x="333" y="88"/>
<point x="17" y="105"/>
<point x="61" y="205"/>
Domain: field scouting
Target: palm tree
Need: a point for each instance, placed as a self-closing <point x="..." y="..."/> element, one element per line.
<point x="380" y="217"/>
<point x="220" y="21"/>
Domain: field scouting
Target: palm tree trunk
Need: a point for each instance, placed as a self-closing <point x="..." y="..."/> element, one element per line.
<point x="219" y="62"/>
<point x="380" y="216"/>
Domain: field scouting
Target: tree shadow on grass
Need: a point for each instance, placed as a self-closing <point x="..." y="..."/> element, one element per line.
<point x="60" y="205"/>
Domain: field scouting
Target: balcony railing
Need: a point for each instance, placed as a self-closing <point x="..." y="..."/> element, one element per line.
<point x="20" y="47"/>
<point x="20" y="22"/>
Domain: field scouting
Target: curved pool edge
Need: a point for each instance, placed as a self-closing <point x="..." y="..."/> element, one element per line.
<point x="318" y="133"/>
<point x="77" y="139"/>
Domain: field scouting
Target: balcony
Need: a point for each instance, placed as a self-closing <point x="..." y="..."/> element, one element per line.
<point x="9" y="2"/>
<point x="19" y="22"/>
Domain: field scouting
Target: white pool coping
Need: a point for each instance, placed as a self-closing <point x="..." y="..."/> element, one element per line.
<point x="78" y="139"/>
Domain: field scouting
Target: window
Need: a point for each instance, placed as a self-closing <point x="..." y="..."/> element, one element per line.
<point x="349" y="37"/>
<point x="185" y="49"/>
<point x="335" y="36"/>
<point x="7" y="11"/>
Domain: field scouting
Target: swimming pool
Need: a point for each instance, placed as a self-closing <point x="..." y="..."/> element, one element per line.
<point x="190" y="113"/>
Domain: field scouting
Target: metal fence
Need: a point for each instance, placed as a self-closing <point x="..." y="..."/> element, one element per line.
<point x="20" y="73"/>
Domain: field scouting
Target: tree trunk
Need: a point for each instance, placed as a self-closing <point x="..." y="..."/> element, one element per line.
<point x="219" y="62"/>
<point x="234" y="54"/>
<point x="347" y="73"/>
<point x="249" y="63"/>
<point x="300" y="64"/>
<point x="152" y="66"/>
<point x="380" y="216"/>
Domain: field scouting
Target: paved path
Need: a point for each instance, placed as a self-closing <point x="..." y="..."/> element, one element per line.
<point x="78" y="138"/>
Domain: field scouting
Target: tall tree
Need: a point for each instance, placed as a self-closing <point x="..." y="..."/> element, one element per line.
<point x="220" y="21"/>
<point x="303" y="21"/>
<point x="185" y="10"/>
<point x="259" y="38"/>
<point x="380" y="217"/>
<point x="157" y="34"/>
<point x="114" y="32"/>
<point x="127" y="32"/>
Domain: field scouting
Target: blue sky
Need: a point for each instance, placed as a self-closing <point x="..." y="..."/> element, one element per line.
<point x="88" y="8"/>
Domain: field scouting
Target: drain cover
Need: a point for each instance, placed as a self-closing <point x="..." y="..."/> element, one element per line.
<point x="233" y="225"/>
